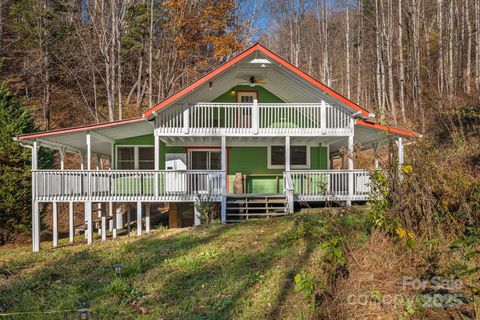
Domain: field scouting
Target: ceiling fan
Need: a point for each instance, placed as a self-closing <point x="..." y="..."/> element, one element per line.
<point x="252" y="81"/>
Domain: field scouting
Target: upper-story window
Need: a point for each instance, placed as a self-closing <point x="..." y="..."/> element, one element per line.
<point x="135" y="158"/>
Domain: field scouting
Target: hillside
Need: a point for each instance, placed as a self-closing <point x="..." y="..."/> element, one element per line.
<point x="241" y="271"/>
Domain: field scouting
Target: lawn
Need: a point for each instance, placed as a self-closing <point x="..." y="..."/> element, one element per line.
<point x="250" y="270"/>
<point x="242" y="271"/>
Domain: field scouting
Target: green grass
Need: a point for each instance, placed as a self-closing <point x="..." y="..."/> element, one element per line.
<point x="242" y="271"/>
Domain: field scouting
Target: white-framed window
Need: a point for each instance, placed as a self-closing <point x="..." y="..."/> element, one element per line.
<point x="299" y="157"/>
<point x="204" y="159"/>
<point x="135" y="157"/>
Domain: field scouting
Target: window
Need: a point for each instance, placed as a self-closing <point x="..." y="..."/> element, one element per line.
<point x="205" y="160"/>
<point x="146" y="158"/>
<point x="126" y="158"/>
<point x="246" y="96"/>
<point x="135" y="158"/>
<point x="299" y="157"/>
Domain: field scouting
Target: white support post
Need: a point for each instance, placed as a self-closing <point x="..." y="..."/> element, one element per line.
<point x="350" y="169"/>
<point x="400" y="151"/>
<point x="186" y="119"/>
<point x="111" y="215"/>
<point x="82" y="160"/>
<point x="196" y="217"/>
<point x="89" y="150"/>
<point x="290" y="201"/>
<point x="157" y="162"/>
<point x="139" y="218"/>
<point x="62" y="158"/>
<point x="223" y="206"/>
<point x="55" y="224"/>
<point x="287" y="153"/>
<point x="376" y="146"/>
<point x="71" y="231"/>
<point x="114" y="222"/>
<point x="103" y="218"/>
<point x="88" y="217"/>
<point x="35" y="205"/>
<point x="255" y="116"/>
<point x="129" y="220"/>
<point x="323" y="115"/>
<point x="148" y="208"/>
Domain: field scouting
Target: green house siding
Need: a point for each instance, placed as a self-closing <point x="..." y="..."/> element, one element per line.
<point x="147" y="140"/>
<point x="254" y="160"/>
<point x="264" y="96"/>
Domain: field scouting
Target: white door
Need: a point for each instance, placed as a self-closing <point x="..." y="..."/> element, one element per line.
<point x="176" y="180"/>
<point x="245" y="114"/>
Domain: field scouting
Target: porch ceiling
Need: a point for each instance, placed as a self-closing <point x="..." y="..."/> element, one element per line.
<point x="102" y="136"/>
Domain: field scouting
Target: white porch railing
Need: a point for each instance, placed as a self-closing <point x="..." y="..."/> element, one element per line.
<point x="126" y="185"/>
<point x="321" y="185"/>
<point x="246" y="119"/>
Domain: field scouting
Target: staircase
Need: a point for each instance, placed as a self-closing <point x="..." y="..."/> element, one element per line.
<point x="245" y="206"/>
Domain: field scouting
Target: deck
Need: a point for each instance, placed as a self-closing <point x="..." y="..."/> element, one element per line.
<point x="187" y="185"/>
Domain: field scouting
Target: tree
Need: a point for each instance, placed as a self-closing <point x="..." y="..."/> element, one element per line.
<point x="15" y="177"/>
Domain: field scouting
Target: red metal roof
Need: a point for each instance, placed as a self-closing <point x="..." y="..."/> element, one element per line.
<point x="238" y="58"/>
<point x="374" y="125"/>
<point x="80" y="128"/>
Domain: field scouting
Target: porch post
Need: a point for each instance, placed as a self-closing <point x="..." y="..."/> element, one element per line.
<point x="62" y="158"/>
<point x="139" y="218"/>
<point x="323" y="115"/>
<point x="71" y="231"/>
<point x="287" y="153"/>
<point x="400" y="151"/>
<point x="148" y="208"/>
<point x="114" y="220"/>
<point x="196" y="215"/>
<point x="186" y="119"/>
<point x="88" y="211"/>
<point x="287" y="170"/>
<point x="156" y="139"/>
<point x="350" y="168"/>
<point x="111" y="215"/>
<point x="35" y="209"/>
<point x="376" y="146"/>
<point x="223" y="207"/>
<point x="88" y="217"/>
<point x="255" y="116"/>
<point x="103" y="213"/>
<point x="55" y="224"/>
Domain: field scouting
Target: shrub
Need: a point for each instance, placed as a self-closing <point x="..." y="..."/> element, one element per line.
<point x="15" y="177"/>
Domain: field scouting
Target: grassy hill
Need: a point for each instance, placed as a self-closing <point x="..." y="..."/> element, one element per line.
<point x="241" y="271"/>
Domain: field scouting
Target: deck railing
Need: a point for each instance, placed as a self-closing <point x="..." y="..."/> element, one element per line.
<point x="321" y="185"/>
<point x="126" y="185"/>
<point x="262" y="118"/>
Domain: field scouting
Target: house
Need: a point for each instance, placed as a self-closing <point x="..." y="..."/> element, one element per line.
<point x="255" y="135"/>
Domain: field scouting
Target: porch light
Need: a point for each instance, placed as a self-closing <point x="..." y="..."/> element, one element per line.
<point x="233" y="92"/>
<point x="210" y="85"/>
<point x="118" y="269"/>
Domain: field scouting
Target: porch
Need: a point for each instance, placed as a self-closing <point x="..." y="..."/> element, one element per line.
<point x="187" y="185"/>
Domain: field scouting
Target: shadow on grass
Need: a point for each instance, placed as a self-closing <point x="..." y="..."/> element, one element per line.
<point x="188" y="275"/>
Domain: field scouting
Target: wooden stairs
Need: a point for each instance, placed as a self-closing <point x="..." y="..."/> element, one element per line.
<point x="245" y="206"/>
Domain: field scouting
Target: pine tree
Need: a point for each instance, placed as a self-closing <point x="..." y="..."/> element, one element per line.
<point x="15" y="177"/>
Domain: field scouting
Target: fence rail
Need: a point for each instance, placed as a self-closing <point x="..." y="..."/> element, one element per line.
<point x="262" y="118"/>
<point x="322" y="185"/>
<point x="126" y="185"/>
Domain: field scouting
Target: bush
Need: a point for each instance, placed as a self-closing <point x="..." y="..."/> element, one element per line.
<point x="15" y="177"/>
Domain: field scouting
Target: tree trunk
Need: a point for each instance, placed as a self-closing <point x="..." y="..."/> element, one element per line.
<point x="347" y="49"/>
<point x="468" y="71"/>
<point x="401" y="66"/>
<point x="441" y="72"/>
